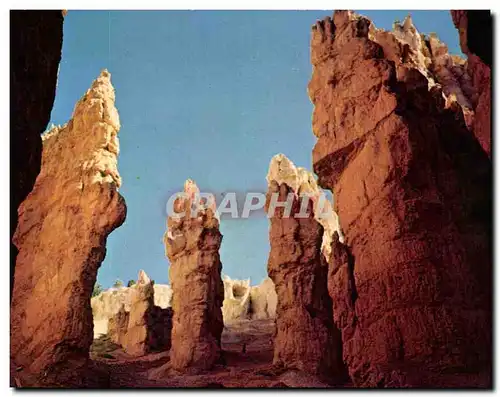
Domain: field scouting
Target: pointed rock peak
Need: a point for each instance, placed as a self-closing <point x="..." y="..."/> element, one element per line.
<point x="282" y="170"/>
<point x="408" y="23"/>
<point x="143" y="278"/>
<point x="191" y="188"/>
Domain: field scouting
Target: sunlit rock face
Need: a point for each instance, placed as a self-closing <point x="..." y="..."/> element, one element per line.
<point x="192" y="246"/>
<point x="306" y="337"/>
<point x="108" y="303"/>
<point x="142" y="301"/>
<point x="236" y="302"/>
<point x="476" y="35"/>
<point x="145" y="327"/>
<point x="411" y="283"/>
<point x="61" y="238"/>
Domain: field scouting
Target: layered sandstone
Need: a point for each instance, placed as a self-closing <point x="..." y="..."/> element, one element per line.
<point x="192" y="245"/>
<point x="306" y="337"/>
<point x="476" y="34"/>
<point x="61" y="238"/>
<point x="36" y="43"/>
<point x="411" y="286"/>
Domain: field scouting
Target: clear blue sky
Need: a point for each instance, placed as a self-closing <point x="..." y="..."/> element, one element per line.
<point x="207" y="95"/>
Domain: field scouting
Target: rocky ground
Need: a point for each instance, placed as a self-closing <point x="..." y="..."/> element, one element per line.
<point x="248" y="356"/>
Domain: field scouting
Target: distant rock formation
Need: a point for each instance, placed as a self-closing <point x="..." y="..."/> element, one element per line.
<point x="136" y="340"/>
<point x="36" y="42"/>
<point x="118" y="325"/>
<point x="108" y="303"/>
<point x="476" y="35"/>
<point x="192" y="245"/>
<point x="263" y="300"/>
<point x="306" y="337"/>
<point x="146" y="327"/>
<point x="236" y="302"/>
<point x="412" y="188"/>
<point x="61" y="237"/>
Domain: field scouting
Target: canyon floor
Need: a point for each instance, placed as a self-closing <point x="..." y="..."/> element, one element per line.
<point x="247" y="351"/>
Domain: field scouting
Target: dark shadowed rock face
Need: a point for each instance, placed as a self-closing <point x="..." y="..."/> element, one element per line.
<point x="36" y="43"/>
<point x="476" y="35"/>
<point x="306" y="338"/>
<point x="61" y="237"/>
<point x="192" y="246"/>
<point x="412" y="188"/>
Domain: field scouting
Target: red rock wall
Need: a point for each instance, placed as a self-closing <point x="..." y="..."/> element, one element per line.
<point x="475" y="30"/>
<point x="412" y="189"/>
<point x="35" y="52"/>
<point x="306" y="338"/>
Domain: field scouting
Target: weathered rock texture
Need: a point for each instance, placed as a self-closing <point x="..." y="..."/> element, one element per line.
<point x="118" y="325"/>
<point x="108" y="303"/>
<point x="61" y="237"/>
<point x="263" y="300"/>
<point x="245" y="302"/>
<point x="192" y="246"/>
<point x="136" y="339"/>
<point x="476" y="35"/>
<point x="412" y="188"/>
<point x="236" y="302"/>
<point x="35" y="52"/>
<point x="146" y="327"/>
<point x="306" y="337"/>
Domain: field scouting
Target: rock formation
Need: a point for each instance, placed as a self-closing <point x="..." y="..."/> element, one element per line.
<point x="412" y="187"/>
<point x="36" y="43"/>
<point x="118" y="325"/>
<point x="146" y="327"/>
<point x="108" y="303"/>
<point x="136" y="340"/>
<point x="306" y="338"/>
<point x="476" y="34"/>
<point x="263" y="300"/>
<point x="61" y="238"/>
<point x="236" y="302"/>
<point x="192" y="245"/>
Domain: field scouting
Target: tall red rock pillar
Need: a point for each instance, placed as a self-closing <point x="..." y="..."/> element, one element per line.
<point x="411" y="287"/>
<point x="306" y="337"/>
<point x="192" y="245"/>
<point x="61" y="238"/>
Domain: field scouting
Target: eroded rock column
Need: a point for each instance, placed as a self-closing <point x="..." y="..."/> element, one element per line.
<point x="192" y="246"/>
<point x="136" y="341"/>
<point x="61" y="238"/>
<point x="412" y="188"/>
<point x="306" y="337"/>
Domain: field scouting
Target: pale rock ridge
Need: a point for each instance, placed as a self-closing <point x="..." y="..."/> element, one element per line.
<point x="263" y="300"/>
<point x="61" y="237"/>
<point x="236" y="302"/>
<point x="430" y="57"/>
